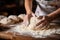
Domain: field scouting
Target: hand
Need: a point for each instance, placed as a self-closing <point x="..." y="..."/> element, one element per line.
<point x="27" y="18"/>
<point x="43" y="24"/>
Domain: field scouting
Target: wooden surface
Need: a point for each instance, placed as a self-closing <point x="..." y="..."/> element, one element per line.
<point x="20" y="37"/>
<point x="11" y="36"/>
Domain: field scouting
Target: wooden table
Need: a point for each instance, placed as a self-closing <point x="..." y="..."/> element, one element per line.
<point x="11" y="36"/>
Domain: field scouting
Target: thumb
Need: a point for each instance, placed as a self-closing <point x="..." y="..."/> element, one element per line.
<point x="33" y="15"/>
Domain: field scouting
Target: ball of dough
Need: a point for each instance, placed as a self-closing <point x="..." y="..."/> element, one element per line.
<point x="21" y="16"/>
<point x="14" y="18"/>
<point x="33" y="22"/>
<point x="6" y="21"/>
<point x="1" y="17"/>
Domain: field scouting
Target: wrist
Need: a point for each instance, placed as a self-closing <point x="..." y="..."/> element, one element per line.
<point x="54" y="15"/>
<point x="28" y="12"/>
<point x="50" y="18"/>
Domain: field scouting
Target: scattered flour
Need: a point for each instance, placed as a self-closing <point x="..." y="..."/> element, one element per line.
<point x="24" y="30"/>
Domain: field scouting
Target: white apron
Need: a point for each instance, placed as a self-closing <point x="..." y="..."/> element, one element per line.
<point x="47" y="4"/>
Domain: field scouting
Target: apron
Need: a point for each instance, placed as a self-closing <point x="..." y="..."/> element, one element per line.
<point x="48" y="6"/>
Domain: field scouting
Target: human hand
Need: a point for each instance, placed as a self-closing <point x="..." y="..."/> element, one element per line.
<point x="43" y="24"/>
<point x="27" y="18"/>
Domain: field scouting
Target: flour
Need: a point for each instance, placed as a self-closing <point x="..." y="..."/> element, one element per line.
<point x="6" y="21"/>
<point x="1" y="17"/>
<point x="14" y="17"/>
<point x="28" y="30"/>
<point x="21" y="16"/>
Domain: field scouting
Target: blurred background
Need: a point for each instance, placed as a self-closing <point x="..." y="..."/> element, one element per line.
<point x="13" y="7"/>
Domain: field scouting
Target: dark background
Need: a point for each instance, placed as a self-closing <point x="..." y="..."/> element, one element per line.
<point x="13" y="7"/>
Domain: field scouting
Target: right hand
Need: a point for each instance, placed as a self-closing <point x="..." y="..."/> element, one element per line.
<point x="27" y="18"/>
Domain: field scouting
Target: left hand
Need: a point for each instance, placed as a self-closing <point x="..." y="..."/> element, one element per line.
<point x="43" y="24"/>
<point x="27" y="18"/>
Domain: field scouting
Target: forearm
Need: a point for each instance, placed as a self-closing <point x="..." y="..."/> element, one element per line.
<point x="28" y="6"/>
<point x="54" y="15"/>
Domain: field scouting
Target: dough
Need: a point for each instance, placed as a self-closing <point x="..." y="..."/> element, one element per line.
<point x="21" y="16"/>
<point x="14" y="18"/>
<point x="6" y="21"/>
<point x="28" y="30"/>
<point x="1" y="17"/>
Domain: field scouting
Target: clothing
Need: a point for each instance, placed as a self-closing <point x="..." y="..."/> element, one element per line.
<point x="48" y="6"/>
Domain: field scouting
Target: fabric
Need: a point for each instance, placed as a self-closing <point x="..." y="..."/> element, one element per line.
<point x="49" y="6"/>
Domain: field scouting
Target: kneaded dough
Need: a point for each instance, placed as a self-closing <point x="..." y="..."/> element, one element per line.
<point x="21" y="16"/>
<point x="14" y="17"/>
<point x="1" y="17"/>
<point x="6" y="21"/>
<point x="28" y="30"/>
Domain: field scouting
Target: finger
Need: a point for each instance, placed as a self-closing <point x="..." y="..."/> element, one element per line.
<point x="39" y="27"/>
<point x="42" y="25"/>
<point x="45" y="26"/>
<point x="41" y="21"/>
<point x="34" y="15"/>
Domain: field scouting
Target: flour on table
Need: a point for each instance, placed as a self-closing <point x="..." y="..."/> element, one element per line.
<point x="28" y="30"/>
